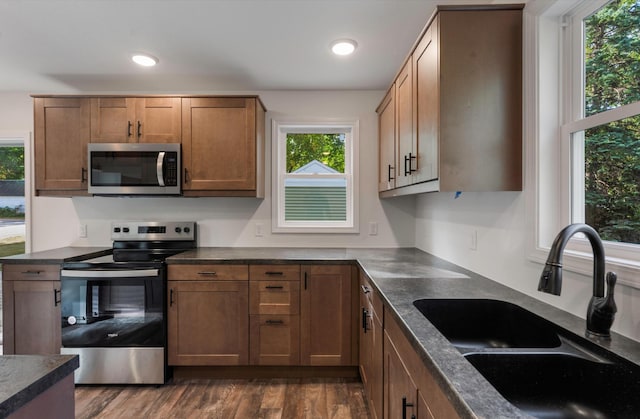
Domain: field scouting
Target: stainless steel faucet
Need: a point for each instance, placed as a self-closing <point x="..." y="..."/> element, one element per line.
<point x="602" y="309"/>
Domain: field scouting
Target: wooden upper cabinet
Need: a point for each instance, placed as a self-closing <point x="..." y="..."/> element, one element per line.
<point x="480" y="100"/>
<point x="407" y="149"/>
<point x="426" y="112"/>
<point x="61" y="135"/>
<point x="136" y="119"/>
<point x="387" y="170"/>
<point x="459" y="104"/>
<point x="223" y="146"/>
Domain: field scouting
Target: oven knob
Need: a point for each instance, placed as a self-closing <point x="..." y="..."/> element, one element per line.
<point x="72" y="320"/>
<point x="125" y="229"/>
<point x="178" y="230"/>
<point x="116" y="229"/>
<point x="187" y="229"/>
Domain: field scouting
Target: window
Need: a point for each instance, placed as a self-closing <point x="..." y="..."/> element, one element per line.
<point x="587" y="171"/>
<point x="314" y="177"/>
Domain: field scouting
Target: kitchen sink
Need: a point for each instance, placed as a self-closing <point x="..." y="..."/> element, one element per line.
<point x="563" y="386"/>
<point x="538" y="366"/>
<point x="477" y="323"/>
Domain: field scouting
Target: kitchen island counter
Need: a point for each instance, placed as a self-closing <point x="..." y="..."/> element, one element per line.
<point x="56" y="256"/>
<point x="37" y="385"/>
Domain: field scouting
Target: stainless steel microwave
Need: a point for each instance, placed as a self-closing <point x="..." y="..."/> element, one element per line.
<point x="134" y="169"/>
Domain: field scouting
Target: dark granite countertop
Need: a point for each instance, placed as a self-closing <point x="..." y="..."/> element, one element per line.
<point x="60" y="255"/>
<point x="24" y="377"/>
<point x="403" y="275"/>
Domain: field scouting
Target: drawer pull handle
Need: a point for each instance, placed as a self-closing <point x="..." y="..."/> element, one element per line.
<point x="274" y="287"/>
<point x="273" y="322"/>
<point x="171" y="297"/>
<point x="56" y="300"/>
<point x="208" y="273"/>
<point x="274" y="273"/>
<point x="31" y="272"/>
<point x="405" y="404"/>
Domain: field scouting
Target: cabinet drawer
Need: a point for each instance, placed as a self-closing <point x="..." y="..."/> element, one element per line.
<point x="31" y="272"/>
<point x="371" y="295"/>
<point x="274" y="272"/>
<point x="203" y="272"/>
<point x="274" y="297"/>
<point x="275" y="340"/>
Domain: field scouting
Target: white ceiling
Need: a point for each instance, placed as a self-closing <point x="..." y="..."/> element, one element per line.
<point x="75" y="46"/>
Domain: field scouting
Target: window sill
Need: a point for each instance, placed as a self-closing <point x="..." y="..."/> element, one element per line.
<point x="627" y="270"/>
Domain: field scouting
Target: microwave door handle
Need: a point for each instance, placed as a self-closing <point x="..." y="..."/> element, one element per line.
<point x="159" y="166"/>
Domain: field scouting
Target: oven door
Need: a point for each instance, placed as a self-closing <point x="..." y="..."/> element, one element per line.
<point x="112" y="308"/>
<point x="115" y="321"/>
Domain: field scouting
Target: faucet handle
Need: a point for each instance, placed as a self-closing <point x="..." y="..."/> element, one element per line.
<point x="602" y="311"/>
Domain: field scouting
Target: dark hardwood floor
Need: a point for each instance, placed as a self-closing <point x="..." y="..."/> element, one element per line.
<point x="288" y="398"/>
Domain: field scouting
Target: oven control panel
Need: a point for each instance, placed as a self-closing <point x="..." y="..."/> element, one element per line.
<point x="153" y="230"/>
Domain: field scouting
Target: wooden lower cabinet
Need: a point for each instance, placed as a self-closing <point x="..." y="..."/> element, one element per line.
<point x="409" y="388"/>
<point x="208" y="323"/>
<point x="326" y="316"/>
<point x="275" y="340"/>
<point x="371" y="341"/>
<point x="31" y="309"/>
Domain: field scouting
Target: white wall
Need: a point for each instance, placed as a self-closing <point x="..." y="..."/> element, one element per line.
<point x="228" y="221"/>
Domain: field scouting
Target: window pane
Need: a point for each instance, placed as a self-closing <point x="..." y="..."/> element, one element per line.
<point x="612" y="56"/>
<point x="12" y="227"/>
<point x="315" y="199"/>
<point x="612" y="179"/>
<point x="306" y="149"/>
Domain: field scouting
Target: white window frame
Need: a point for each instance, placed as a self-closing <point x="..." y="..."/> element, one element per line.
<point x="280" y="128"/>
<point x="553" y="73"/>
<point x="23" y="138"/>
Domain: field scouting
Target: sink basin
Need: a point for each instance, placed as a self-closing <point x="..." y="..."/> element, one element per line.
<point x="471" y="324"/>
<point x="563" y="386"/>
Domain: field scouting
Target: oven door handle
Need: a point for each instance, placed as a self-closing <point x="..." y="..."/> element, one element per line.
<point x="131" y="273"/>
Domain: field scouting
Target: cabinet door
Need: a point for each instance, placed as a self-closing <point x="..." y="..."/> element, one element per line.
<point x="407" y="150"/>
<point x="371" y="355"/>
<point x="158" y="120"/>
<point x="61" y="137"/>
<point x="401" y="394"/>
<point x="219" y="144"/>
<point x="111" y="120"/>
<point x="325" y="313"/>
<point x="143" y="120"/>
<point x="31" y="317"/>
<point x="275" y="340"/>
<point x="427" y="105"/>
<point x="387" y="170"/>
<point x="208" y="323"/>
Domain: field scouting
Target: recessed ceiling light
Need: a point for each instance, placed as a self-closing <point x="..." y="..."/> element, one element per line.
<point x="144" y="60"/>
<point x="343" y="46"/>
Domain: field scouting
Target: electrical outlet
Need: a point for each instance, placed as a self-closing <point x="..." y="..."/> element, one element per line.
<point x="373" y="228"/>
<point x="473" y="240"/>
<point x="82" y="231"/>
<point x="259" y="232"/>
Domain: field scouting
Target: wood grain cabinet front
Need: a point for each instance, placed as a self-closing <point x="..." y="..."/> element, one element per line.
<point x="31" y="309"/>
<point x="136" y="120"/>
<point x="326" y="316"/>
<point x="371" y="338"/>
<point x="61" y="135"/>
<point x="208" y="315"/>
<point x="274" y="307"/>
<point x="223" y="146"/>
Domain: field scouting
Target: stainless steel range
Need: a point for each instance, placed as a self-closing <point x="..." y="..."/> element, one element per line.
<point x="114" y="307"/>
